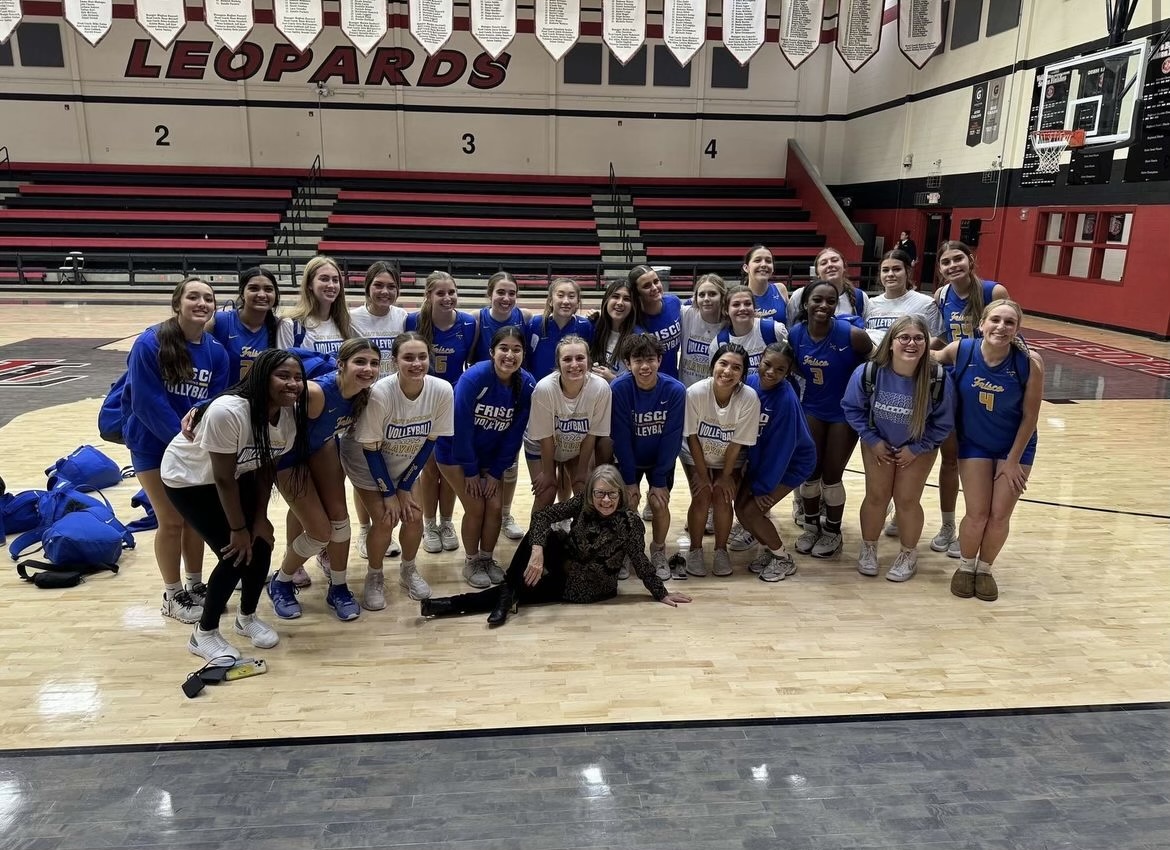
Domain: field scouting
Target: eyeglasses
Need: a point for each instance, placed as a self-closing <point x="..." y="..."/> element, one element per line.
<point x="606" y="495"/>
<point x="906" y="339"/>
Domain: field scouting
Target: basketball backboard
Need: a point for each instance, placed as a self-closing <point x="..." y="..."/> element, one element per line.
<point x="1098" y="93"/>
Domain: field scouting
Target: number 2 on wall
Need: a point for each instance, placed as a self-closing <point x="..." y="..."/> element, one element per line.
<point x="164" y="133"/>
<point x="468" y="143"/>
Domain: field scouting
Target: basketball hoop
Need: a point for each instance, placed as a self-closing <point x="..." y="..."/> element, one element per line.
<point x="1050" y="144"/>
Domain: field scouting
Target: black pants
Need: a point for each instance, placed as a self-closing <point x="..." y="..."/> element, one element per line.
<point x="551" y="588"/>
<point x="201" y="508"/>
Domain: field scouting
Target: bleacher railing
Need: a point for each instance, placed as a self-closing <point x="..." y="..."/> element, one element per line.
<point x="298" y="215"/>
<point x="32" y="269"/>
<point x="5" y="160"/>
<point x="615" y="200"/>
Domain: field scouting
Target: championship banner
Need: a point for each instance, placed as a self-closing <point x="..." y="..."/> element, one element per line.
<point x="859" y="31"/>
<point x="684" y="28"/>
<point x="162" y="19"/>
<point x="300" y="21"/>
<point x="91" y="18"/>
<point x="493" y="23"/>
<point x="363" y="22"/>
<point x="800" y="29"/>
<point x="10" y="16"/>
<point x="558" y="25"/>
<point x="743" y="28"/>
<point x="431" y="23"/>
<point x="623" y="24"/>
<point x="919" y="29"/>
<point x="231" y="20"/>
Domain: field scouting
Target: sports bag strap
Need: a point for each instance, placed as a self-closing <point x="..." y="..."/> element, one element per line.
<point x="24" y="541"/>
<point x="46" y="566"/>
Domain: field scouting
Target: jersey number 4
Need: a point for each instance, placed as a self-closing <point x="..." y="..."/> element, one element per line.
<point x="988" y="401"/>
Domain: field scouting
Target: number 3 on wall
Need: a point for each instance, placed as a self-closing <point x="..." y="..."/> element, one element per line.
<point x="163" y="132"/>
<point x="468" y="143"/>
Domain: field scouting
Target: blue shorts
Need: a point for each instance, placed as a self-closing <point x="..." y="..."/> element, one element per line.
<point x="971" y="451"/>
<point x="145" y="461"/>
<point x="288" y="460"/>
<point x="645" y="473"/>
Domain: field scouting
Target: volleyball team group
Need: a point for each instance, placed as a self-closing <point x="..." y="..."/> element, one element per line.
<point x="759" y="392"/>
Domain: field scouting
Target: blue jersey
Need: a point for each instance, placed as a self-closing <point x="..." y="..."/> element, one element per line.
<point x="152" y="409"/>
<point x="490" y="418"/>
<point x="336" y="416"/>
<point x="542" y="344"/>
<point x="784" y="445"/>
<point x="488" y="327"/>
<point x="647" y="427"/>
<point x="770" y="305"/>
<point x="952" y="306"/>
<point x="990" y="398"/>
<point x="826" y="366"/>
<point x="666" y="327"/>
<point x="243" y="345"/>
<point x="451" y="348"/>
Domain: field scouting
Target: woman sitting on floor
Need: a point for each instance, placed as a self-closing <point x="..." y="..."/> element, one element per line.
<point x="580" y="566"/>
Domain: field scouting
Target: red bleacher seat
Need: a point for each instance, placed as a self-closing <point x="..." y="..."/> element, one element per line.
<point x="155" y="191"/>
<point x="75" y="243"/>
<point x="449" y="222"/>
<point x="732" y="252"/>
<point x="441" y="249"/>
<point x="754" y="203"/>
<point x="735" y="226"/>
<point x="462" y="198"/>
<point x="140" y="215"/>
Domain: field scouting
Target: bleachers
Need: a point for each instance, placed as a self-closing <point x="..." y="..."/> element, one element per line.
<point x="713" y="222"/>
<point x="479" y="225"/>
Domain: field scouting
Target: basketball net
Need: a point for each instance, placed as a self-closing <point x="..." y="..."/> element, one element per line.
<point x="1050" y="144"/>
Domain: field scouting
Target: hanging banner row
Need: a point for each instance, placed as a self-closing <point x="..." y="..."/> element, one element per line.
<point x="557" y="25"/>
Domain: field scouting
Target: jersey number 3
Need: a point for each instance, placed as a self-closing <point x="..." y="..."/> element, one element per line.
<point x="818" y="375"/>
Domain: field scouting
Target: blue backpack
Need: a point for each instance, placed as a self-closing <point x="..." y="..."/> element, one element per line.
<point x="150" y="521"/>
<point x="95" y="538"/>
<point x="314" y="363"/>
<point x="18" y="512"/>
<point x="86" y="468"/>
<point x="110" y="416"/>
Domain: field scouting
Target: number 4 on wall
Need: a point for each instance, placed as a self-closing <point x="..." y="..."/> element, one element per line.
<point x="711" y="150"/>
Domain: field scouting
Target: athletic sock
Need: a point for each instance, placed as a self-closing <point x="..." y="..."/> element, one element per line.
<point x="408" y="565"/>
<point x="171" y="588"/>
<point x="336" y="577"/>
<point x="967" y="565"/>
<point x="948" y="517"/>
<point x="983" y="567"/>
<point x="778" y="552"/>
<point x="191" y="578"/>
<point x="281" y="575"/>
<point x="831" y="527"/>
<point x="444" y="519"/>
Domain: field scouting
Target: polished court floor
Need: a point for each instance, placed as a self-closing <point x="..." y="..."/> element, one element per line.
<point x="1082" y="621"/>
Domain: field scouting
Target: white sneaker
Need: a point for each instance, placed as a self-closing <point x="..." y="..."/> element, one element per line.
<point x="778" y="568"/>
<point x="905" y="566"/>
<point x="393" y="550"/>
<point x="867" y="562"/>
<point x="374" y="592"/>
<point x="262" y="635"/>
<point x="414" y="585"/>
<point x="323" y="564"/>
<point x="946" y="535"/>
<point x="181" y="606"/>
<point x="891" y="527"/>
<point x="722" y="565"/>
<point x="684" y="543"/>
<point x="212" y="648"/>
<point x="759" y="562"/>
<point x="448" y="536"/>
<point x="709" y="528"/>
<point x="475" y="574"/>
<point x="647" y="514"/>
<point x="495" y="572"/>
<point x="696" y="563"/>
<point x="805" y="543"/>
<point x="797" y="511"/>
<point x="953" y="550"/>
<point x="362" y="551"/>
<point x="658" y="562"/>
<point x="740" y="539"/>
<point x="511" y="530"/>
<point x="828" y="546"/>
<point x="431" y="541"/>
<point x="198" y="591"/>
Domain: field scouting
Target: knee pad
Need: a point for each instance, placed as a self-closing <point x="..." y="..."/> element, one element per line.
<point x="307" y="546"/>
<point x="511" y="474"/>
<point x="341" y="530"/>
<point x="811" y="489"/>
<point x="833" y="494"/>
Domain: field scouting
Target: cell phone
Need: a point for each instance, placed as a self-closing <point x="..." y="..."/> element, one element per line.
<point x="244" y="669"/>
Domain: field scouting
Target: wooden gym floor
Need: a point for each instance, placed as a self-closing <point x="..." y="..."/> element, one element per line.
<point x="1082" y="619"/>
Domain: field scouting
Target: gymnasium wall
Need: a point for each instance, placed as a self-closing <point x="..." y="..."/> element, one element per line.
<point x="400" y="110"/>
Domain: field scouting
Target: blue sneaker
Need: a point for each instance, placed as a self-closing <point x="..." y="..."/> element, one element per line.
<point x="284" y="598"/>
<point x="342" y="602"/>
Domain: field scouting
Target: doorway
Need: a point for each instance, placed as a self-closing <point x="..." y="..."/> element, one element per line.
<point x="938" y="230"/>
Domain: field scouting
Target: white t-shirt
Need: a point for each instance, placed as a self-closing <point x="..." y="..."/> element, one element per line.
<point x="226" y="428"/>
<point x="718" y="427"/>
<point x="694" y="361"/>
<point x="881" y="313"/>
<point x="844" y="306"/>
<point x="567" y="420"/>
<point x="753" y="342"/>
<point x="400" y="425"/>
<point x="380" y="330"/>
<point x="323" y="337"/>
